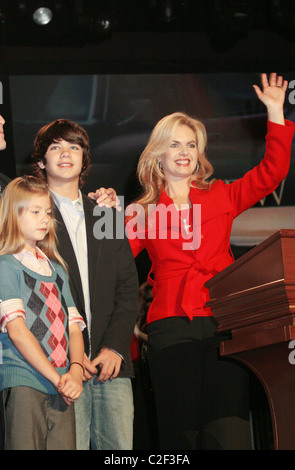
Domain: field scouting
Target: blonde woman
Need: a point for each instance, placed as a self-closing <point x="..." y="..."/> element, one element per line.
<point x="201" y="399"/>
<point x="41" y="340"/>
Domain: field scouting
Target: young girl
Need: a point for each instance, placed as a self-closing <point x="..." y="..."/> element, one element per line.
<point x="41" y="345"/>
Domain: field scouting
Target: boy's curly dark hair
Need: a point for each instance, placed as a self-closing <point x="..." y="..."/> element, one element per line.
<point x="61" y="129"/>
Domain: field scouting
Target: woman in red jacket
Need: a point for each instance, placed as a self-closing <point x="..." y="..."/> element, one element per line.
<point x="185" y="224"/>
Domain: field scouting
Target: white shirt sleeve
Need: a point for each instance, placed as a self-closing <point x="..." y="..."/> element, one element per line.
<point x="75" y="317"/>
<point x="10" y="310"/>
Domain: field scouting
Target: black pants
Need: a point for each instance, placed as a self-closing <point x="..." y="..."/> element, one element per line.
<point x="202" y="399"/>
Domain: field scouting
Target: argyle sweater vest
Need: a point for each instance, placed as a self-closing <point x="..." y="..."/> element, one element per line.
<point x="45" y="301"/>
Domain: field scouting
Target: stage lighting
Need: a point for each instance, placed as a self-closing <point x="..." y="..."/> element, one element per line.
<point x="42" y="16"/>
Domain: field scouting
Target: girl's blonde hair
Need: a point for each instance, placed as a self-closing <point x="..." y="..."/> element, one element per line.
<point x="149" y="172"/>
<point x="15" y="200"/>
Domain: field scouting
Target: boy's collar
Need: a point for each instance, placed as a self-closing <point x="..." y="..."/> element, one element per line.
<point x="58" y="199"/>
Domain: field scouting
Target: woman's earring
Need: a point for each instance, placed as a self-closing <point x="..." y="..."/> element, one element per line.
<point x="160" y="165"/>
<point x="197" y="167"/>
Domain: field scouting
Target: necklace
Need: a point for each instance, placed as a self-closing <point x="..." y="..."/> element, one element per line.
<point x="186" y="224"/>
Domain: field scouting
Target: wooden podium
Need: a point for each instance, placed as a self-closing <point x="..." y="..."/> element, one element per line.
<point x="254" y="301"/>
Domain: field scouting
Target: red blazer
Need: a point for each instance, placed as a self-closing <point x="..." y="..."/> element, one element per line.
<point x="178" y="275"/>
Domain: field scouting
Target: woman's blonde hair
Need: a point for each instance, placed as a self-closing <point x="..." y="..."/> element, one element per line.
<point x="15" y="200"/>
<point x="149" y="172"/>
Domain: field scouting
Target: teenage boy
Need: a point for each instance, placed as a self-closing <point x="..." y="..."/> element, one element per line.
<point x="104" y="285"/>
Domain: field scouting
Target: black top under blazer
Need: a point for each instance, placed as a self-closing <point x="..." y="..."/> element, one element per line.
<point x="113" y="286"/>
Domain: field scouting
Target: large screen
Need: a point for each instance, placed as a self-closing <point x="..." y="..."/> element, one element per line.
<point x="119" y="111"/>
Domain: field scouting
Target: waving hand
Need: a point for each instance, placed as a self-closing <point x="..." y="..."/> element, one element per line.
<point x="272" y="95"/>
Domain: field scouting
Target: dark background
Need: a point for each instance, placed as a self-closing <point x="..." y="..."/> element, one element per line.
<point x="118" y="66"/>
<point x="155" y="57"/>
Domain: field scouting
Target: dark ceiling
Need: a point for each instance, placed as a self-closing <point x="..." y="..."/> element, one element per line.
<point x="147" y="35"/>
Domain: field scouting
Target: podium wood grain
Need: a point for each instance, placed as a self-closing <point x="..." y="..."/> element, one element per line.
<point x="253" y="301"/>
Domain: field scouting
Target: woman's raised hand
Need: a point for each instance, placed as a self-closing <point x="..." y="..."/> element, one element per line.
<point x="272" y="95"/>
